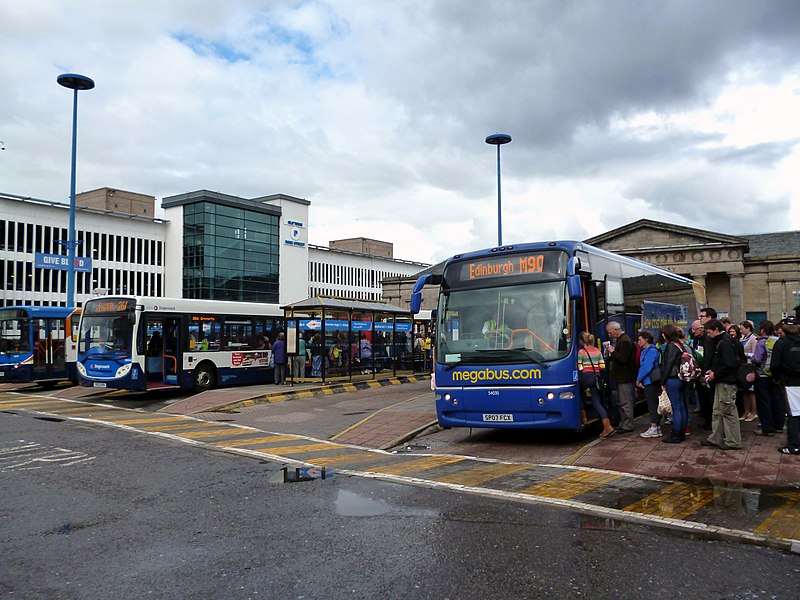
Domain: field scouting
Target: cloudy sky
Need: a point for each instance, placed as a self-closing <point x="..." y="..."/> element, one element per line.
<point x="376" y="111"/>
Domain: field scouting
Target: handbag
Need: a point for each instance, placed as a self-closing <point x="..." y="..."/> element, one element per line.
<point x="599" y="381"/>
<point x="664" y="405"/>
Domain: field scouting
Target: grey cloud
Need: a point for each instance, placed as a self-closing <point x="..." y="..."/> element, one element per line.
<point x="767" y="154"/>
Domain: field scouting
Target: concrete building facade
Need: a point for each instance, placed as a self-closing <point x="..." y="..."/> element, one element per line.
<point x="207" y="245"/>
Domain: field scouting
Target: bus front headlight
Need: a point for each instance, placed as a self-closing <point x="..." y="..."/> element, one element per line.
<point x="81" y="368"/>
<point x="123" y="370"/>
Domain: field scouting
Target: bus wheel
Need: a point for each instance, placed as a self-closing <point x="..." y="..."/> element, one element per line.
<point x="203" y="378"/>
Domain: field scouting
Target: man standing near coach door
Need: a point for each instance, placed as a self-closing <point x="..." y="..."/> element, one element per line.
<point x="622" y="372"/>
<point x="706" y="345"/>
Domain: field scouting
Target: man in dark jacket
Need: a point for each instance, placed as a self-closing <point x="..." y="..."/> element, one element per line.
<point x="725" y="431"/>
<point x="786" y="370"/>
<point x="705" y="345"/>
<point x="622" y="372"/>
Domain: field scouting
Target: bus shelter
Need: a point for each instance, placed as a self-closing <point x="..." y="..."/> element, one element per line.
<point x="348" y="339"/>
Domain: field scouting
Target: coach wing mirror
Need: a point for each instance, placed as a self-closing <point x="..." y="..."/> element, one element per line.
<point x="573" y="279"/>
<point x="416" y="293"/>
<point x="574" y="287"/>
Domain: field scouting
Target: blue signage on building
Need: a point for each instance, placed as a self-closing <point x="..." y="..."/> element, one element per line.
<point x="60" y="262"/>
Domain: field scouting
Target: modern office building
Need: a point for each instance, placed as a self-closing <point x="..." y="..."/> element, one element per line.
<point x="204" y="245"/>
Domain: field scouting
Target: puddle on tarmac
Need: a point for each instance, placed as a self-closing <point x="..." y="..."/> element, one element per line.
<point x="349" y="504"/>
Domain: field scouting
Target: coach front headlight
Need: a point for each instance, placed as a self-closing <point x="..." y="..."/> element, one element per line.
<point x="123" y="370"/>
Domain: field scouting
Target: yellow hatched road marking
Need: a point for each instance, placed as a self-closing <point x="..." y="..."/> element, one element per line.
<point x="481" y="474"/>
<point x="676" y="501"/>
<point x="356" y="457"/>
<point x="191" y="425"/>
<point x="24" y="403"/>
<point x="301" y="449"/>
<point x="24" y="398"/>
<point x="571" y="485"/>
<point x="784" y="521"/>
<point x="193" y="435"/>
<point x="32" y="400"/>
<point x="259" y="440"/>
<point x="71" y="408"/>
<point x="147" y="420"/>
<point x="420" y="464"/>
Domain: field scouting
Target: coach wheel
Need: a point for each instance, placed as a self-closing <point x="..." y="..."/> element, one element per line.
<point x="203" y="378"/>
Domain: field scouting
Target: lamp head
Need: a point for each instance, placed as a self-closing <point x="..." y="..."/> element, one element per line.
<point x="498" y="139"/>
<point x="74" y="81"/>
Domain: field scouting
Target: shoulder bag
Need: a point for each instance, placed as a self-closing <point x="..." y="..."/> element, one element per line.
<point x="599" y="381"/>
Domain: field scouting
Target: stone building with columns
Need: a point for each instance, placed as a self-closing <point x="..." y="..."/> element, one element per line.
<point x="754" y="276"/>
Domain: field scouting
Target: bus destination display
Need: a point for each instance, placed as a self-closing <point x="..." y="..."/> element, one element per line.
<point x="509" y="266"/>
<point x="109" y="306"/>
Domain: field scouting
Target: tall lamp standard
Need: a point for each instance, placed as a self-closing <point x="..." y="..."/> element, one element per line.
<point x="76" y="83"/>
<point x="498" y="139"/>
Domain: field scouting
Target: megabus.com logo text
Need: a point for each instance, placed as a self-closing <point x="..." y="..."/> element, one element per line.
<point x="477" y="375"/>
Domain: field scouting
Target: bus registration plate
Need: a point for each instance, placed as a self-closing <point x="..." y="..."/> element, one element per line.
<point x="494" y="417"/>
<point x="100" y="384"/>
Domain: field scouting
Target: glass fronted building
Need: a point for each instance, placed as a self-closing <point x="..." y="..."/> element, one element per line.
<point x="231" y="247"/>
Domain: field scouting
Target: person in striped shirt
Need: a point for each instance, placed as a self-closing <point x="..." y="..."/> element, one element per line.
<point x="590" y="367"/>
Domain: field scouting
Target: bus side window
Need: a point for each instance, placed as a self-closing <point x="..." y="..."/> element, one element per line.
<point x="194" y="335"/>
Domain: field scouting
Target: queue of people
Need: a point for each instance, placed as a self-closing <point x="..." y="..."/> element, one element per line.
<point x="723" y="372"/>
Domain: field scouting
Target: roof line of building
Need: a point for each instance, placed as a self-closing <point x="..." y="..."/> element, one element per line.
<point x="89" y="209"/>
<point x="398" y="260"/>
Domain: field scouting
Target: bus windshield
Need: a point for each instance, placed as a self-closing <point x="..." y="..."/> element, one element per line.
<point x="502" y="325"/>
<point x="13" y="333"/>
<point x="106" y="336"/>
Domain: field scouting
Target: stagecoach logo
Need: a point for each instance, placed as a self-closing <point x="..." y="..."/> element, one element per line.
<point x="99" y="366"/>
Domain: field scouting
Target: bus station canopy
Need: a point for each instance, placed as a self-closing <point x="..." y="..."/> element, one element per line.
<point x="321" y="303"/>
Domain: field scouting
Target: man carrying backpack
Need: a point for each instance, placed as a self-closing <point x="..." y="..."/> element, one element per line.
<point x="785" y="367"/>
<point x="725" y="431"/>
<point x="770" y="406"/>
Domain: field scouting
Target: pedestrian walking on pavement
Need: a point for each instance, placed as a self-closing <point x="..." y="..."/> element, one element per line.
<point x="279" y="358"/>
<point x="646" y="380"/>
<point x="299" y="361"/>
<point x="725" y="431"/>
<point x="622" y="372"/>
<point x="769" y="399"/>
<point x="786" y="369"/>
<point x="590" y="367"/>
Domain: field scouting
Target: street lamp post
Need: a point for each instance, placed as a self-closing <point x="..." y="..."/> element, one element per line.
<point x="76" y="83"/>
<point x="498" y="139"/>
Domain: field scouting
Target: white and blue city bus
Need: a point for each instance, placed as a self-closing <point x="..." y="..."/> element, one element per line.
<point x="34" y="344"/>
<point x="508" y="321"/>
<point x="141" y="343"/>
